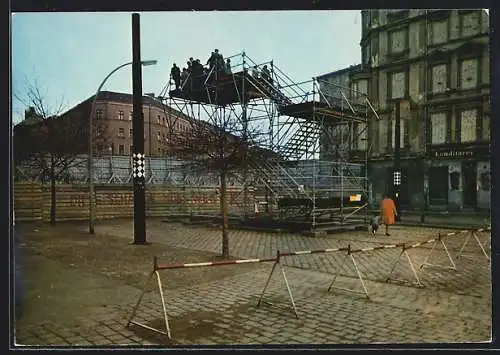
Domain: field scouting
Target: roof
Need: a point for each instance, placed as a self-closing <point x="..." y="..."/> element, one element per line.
<point x="351" y="68"/>
<point x="128" y="98"/>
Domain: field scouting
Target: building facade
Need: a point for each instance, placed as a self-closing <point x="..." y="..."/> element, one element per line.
<point x="113" y="117"/>
<point x="433" y="64"/>
<point x="112" y="125"/>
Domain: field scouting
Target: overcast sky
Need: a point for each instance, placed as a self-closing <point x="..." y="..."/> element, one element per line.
<point x="71" y="53"/>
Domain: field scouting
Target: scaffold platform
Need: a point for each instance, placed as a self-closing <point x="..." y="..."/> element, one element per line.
<point x="226" y="90"/>
<point x="312" y="110"/>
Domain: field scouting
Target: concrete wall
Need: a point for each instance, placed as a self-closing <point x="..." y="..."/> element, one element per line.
<point x="32" y="201"/>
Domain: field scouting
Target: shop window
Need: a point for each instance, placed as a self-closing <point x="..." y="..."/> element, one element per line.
<point x="455" y="180"/>
<point x="485" y="181"/>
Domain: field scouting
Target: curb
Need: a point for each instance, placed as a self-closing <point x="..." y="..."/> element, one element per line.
<point x="438" y="226"/>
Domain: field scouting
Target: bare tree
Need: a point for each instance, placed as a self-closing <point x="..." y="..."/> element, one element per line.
<point x="47" y="141"/>
<point x="222" y="145"/>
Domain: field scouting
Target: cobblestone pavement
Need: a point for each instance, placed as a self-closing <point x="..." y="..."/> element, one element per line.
<point x="375" y="265"/>
<point x="225" y="312"/>
<point x="218" y="305"/>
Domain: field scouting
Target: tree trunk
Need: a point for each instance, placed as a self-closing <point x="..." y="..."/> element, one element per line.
<point x="224" y="212"/>
<point x="52" y="192"/>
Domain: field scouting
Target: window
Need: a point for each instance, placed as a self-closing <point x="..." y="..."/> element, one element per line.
<point x="121" y="132"/>
<point x="439" y="78"/>
<point x="439" y="31"/>
<point x="470" y="23"/>
<point x="98" y="132"/>
<point x="120" y="115"/>
<point x="438" y="128"/>
<point x="121" y="149"/>
<point x="98" y="114"/>
<point x="468" y="121"/>
<point x="401" y="133"/>
<point x="359" y="88"/>
<point x="163" y="119"/>
<point x="360" y="134"/>
<point x="486" y="128"/>
<point x="398" y="41"/>
<point x="131" y="132"/>
<point x="398" y="85"/>
<point x="131" y="115"/>
<point x="158" y="120"/>
<point x="382" y="134"/>
<point x="159" y="151"/>
<point x="159" y="136"/>
<point x="164" y="137"/>
<point x="469" y="73"/>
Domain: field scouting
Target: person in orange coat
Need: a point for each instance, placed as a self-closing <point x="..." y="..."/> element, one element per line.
<point x="388" y="212"/>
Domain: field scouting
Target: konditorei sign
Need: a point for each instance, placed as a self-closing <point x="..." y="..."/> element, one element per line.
<point x="458" y="152"/>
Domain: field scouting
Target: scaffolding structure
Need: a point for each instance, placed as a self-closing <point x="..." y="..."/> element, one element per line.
<point x="296" y="181"/>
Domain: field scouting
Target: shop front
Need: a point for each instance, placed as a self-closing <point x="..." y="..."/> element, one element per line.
<point x="459" y="177"/>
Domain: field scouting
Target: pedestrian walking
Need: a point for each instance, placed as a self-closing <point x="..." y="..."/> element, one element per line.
<point x="388" y="212"/>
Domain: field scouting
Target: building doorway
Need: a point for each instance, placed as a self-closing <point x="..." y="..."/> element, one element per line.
<point x="470" y="184"/>
<point x="438" y="185"/>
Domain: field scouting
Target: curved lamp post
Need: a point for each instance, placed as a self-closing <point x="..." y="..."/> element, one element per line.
<point x="90" y="163"/>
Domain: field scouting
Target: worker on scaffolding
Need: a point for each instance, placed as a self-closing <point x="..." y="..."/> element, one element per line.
<point x="190" y="74"/>
<point x="197" y="74"/>
<point x="228" y="66"/>
<point x="266" y="75"/>
<point x="211" y="60"/>
<point x="175" y="73"/>
<point x="184" y="76"/>
<point x="220" y="62"/>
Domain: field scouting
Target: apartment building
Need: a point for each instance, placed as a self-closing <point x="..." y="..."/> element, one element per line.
<point x="113" y="117"/>
<point x="434" y="64"/>
<point x="112" y="125"/>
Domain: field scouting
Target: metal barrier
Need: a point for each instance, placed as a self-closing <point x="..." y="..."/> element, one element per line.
<point x="159" y="267"/>
<point x="349" y="253"/>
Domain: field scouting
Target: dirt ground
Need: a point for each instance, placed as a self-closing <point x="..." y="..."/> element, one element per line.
<point x="109" y="271"/>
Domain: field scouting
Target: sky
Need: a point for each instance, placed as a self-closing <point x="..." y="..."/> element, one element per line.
<point x="69" y="54"/>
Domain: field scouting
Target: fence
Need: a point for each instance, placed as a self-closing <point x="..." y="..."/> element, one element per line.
<point x="32" y="201"/>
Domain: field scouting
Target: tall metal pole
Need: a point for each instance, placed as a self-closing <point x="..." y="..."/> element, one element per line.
<point x="245" y="137"/>
<point x="397" y="167"/>
<point x="426" y="121"/>
<point x="138" y="139"/>
<point x="90" y="163"/>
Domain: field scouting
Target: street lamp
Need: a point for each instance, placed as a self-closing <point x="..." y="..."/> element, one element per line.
<point x="90" y="163"/>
